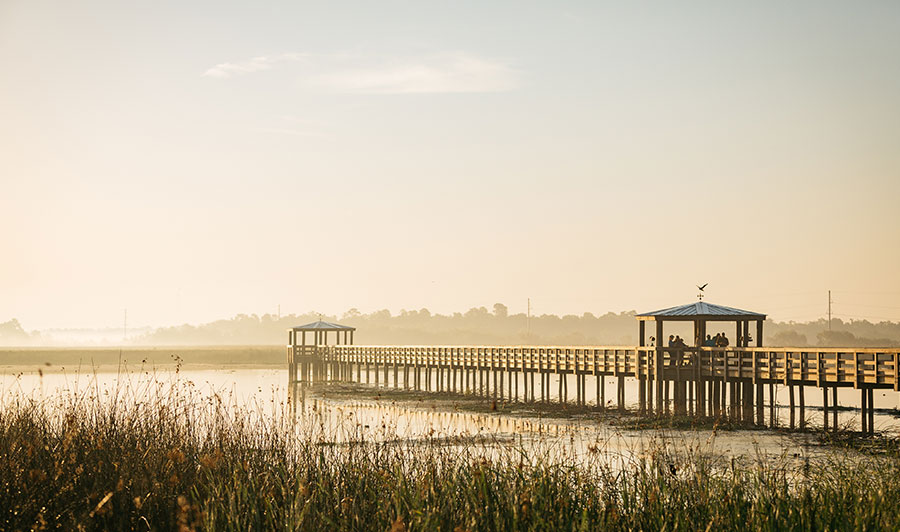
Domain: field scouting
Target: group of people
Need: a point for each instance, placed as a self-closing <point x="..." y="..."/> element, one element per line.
<point x="719" y="341"/>
<point x="677" y="342"/>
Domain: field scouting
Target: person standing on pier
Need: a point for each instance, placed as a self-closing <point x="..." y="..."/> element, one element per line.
<point x="721" y="340"/>
<point x="679" y="354"/>
<point x="671" y="343"/>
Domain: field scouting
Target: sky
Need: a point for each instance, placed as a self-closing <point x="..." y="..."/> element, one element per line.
<point x="189" y="161"/>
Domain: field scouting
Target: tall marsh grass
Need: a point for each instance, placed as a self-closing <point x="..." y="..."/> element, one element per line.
<point x="171" y="459"/>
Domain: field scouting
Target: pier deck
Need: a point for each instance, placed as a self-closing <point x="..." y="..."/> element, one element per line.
<point x="701" y="381"/>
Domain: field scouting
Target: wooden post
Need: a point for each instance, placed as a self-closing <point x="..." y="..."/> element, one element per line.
<point x="577" y="383"/>
<point x="834" y="408"/>
<point x="802" y="406"/>
<point x="541" y="376"/>
<point x="772" y="403"/>
<point x="863" y="411"/>
<point x="603" y="390"/>
<point x="871" y="403"/>
<point x="825" y="408"/>
<point x="666" y="396"/>
<point x="791" y="393"/>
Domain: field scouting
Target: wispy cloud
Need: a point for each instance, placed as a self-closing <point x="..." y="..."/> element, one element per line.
<point x="345" y="73"/>
<point x="264" y="62"/>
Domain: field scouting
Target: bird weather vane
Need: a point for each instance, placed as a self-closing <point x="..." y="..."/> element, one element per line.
<point x="701" y="294"/>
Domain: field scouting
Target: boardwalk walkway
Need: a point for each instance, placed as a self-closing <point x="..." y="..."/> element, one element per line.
<point x="700" y="381"/>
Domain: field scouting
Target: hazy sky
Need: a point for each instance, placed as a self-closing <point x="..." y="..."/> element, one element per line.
<point x="193" y="160"/>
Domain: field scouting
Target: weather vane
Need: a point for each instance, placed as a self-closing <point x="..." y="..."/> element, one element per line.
<point x="701" y="294"/>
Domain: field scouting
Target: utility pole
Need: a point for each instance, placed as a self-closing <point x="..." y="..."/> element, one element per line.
<point x="829" y="311"/>
<point x="528" y="318"/>
<point x="279" y="311"/>
<point x="125" y="327"/>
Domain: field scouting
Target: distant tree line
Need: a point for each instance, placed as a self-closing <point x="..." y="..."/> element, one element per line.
<point x="497" y="326"/>
<point x="479" y="325"/>
<point x="476" y="326"/>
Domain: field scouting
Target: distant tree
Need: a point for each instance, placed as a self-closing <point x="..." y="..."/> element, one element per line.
<point x="476" y="312"/>
<point x="12" y="332"/>
<point x="352" y="313"/>
<point x="500" y="310"/>
<point x="837" y="339"/>
<point x="788" y="338"/>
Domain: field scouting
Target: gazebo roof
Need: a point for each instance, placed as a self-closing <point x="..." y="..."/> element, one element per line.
<point x="700" y="310"/>
<point x="323" y="326"/>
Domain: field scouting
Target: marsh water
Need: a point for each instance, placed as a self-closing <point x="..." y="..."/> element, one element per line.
<point x="346" y="419"/>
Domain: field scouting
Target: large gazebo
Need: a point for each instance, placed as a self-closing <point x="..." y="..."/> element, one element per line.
<point x="700" y="313"/>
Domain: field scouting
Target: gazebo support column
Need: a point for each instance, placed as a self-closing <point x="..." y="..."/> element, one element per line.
<point x="760" y="404"/>
<point x="642" y="382"/>
<point x="658" y="367"/>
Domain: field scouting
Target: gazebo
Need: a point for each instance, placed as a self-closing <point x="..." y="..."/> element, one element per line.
<point x="303" y="358"/>
<point x="320" y="330"/>
<point x="699" y="313"/>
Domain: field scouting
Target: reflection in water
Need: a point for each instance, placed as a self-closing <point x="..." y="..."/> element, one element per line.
<point x="848" y="398"/>
<point x="262" y="394"/>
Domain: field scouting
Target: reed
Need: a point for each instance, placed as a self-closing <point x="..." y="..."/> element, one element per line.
<point x="169" y="458"/>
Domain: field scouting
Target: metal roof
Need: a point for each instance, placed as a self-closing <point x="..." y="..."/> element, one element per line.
<point x="701" y="309"/>
<point x="323" y="326"/>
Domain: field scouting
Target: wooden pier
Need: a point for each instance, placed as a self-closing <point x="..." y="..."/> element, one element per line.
<point x="738" y="383"/>
<point x="735" y="383"/>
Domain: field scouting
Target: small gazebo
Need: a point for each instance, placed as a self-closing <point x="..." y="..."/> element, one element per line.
<point x="304" y="359"/>
<point x="320" y="330"/>
<point x="699" y="313"/>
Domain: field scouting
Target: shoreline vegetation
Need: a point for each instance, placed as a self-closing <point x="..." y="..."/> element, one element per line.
<point x="111" y="359"/>
<point x="160" y="456"/>
<point x="163" y="458"/>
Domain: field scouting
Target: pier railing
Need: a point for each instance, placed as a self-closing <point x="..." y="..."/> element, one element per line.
<point x="872" y="368"/>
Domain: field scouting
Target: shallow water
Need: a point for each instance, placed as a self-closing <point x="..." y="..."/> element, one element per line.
<point x="848" y="400"/>
<point x="262" y="393"/>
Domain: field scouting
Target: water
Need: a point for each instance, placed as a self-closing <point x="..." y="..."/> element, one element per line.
<point x="848" y="399"/>
<point x="262" y="393"/>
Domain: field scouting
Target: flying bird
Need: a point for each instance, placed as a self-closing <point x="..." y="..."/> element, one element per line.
<point x="702" y="287"/>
